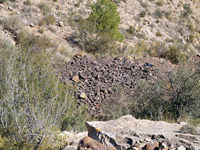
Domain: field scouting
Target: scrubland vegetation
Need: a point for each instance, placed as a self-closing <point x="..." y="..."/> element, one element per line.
<point x="35" y="106"/>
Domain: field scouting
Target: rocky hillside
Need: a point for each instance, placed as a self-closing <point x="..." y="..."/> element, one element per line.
<point x="149" y="27"/>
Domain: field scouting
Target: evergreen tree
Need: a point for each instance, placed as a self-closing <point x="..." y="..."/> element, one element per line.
<point x="106" y="19"/>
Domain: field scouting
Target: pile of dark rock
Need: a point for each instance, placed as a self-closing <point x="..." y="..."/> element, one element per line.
<point x="98" y="80"/>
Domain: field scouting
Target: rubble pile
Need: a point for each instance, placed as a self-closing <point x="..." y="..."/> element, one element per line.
<point x="98" y="79"/>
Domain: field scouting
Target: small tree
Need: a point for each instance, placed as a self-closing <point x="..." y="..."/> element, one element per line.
<point x="106" y="19"/>
<point x="98" y="33"/>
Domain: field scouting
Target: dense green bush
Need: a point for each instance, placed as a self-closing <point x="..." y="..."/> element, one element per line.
<point x="98" y="33"/>
<point x="106" y="19"/>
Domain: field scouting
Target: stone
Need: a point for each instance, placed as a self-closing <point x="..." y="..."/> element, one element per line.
<point x="76" y="78"/>
<point x="90" y="143"/>
<point x="136" y="148"/>
<point x="99" y="78"/>
<point x="60" y="24"/>
<point x="164" y="146"/>
<point x="10" y="8"/>
<point x="181" y="148"/>
<point x="2" y="6"/>
<point x="32" y="25"/>
<point x="152" y="145"/>
<point x="83" y="96"/>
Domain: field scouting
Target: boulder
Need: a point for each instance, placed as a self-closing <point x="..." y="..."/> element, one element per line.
<point x="92" y="144"/>
<point x="128" y="132"/>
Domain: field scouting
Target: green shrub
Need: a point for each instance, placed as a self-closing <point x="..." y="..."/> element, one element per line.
<point x="90" y="41"/>
<point x="158" y="34"/>
<point x="75" y="120"/>
<point x="187" y="8"/>
<point x="157" y="21"/>
<point x="27" y="2"/>
<point x="188" y="129"/>
<point x="98" y="33"/>
<point x="142" y="14"/>
<point x="160" y="3"/>
<point x="158" y="49"/>
<point x="34" y="102"/>
<point x="174" y="98"/>
<point x="49" y="19"/>
<point x="158" y="13"/>
<point x="181" y="31"/>
<point x="106" y="19"/>
<point x="46" y="9"/>
<point x="12" y="24"/>
<point x="33" y="42"/>
<point x="131" y="30"/>
<point x="173" y="54"/>
<point x="42" y="22"/>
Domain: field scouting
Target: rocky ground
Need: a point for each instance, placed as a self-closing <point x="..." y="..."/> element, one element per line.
<point x="98" y="79"/>
<point x="128" y="133"/>
<point x="143" y="23"/>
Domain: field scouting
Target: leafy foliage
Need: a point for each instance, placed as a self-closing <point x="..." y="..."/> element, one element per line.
<point x="98" y="33"/>
<point x="106" y="19"/>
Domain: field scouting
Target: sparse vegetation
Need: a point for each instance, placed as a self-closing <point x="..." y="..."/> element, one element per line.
<point x="12" y="23"/>
<point x="158" y="34"/>
<point x="188" y="129"/>
<point x="45" y="8"/>
<point x="158" y="13"/>
<point x="27" y="2"/>
<point x="49" y="19"/>
<point x="142" y="14"/>
<point x="187" y="8"/>
<point x="160" y="3"/>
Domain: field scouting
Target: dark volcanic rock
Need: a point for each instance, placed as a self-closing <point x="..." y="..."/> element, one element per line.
<point x="98" y="79"/>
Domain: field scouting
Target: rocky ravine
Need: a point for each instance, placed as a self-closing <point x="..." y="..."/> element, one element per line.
<point x="98" y="79"/>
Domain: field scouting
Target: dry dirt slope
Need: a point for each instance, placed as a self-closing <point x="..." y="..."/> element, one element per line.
<point x="143" y="22"/>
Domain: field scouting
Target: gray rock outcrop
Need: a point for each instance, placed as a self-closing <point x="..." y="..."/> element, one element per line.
<point x="127" y="133"/>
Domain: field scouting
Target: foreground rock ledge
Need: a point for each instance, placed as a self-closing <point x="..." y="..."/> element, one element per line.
<point x="128" y="133"/>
